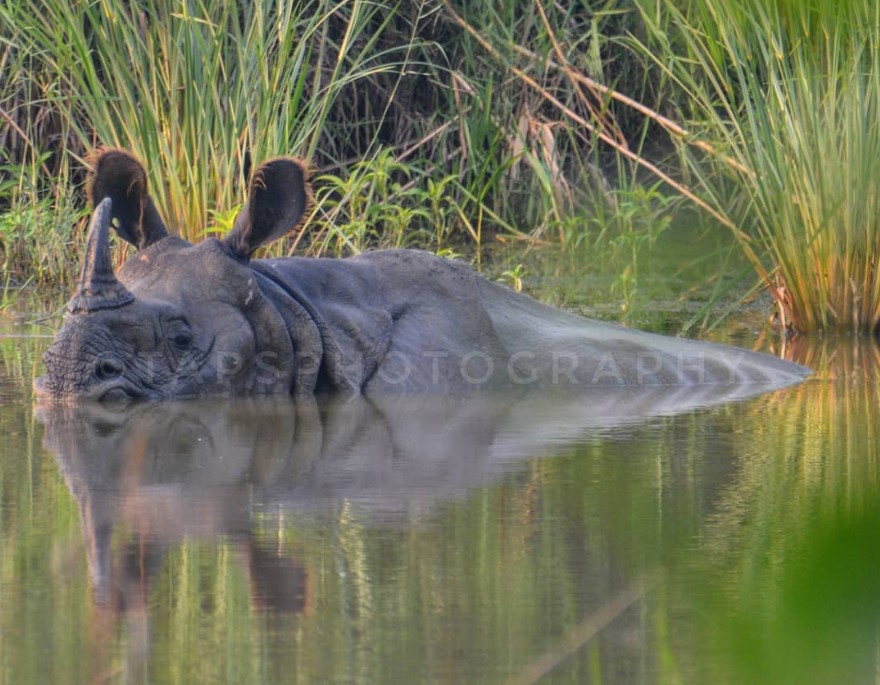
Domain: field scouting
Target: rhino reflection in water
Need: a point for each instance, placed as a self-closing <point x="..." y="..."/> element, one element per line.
<point x="203" y="469"/>
<point x="183" y="320"/>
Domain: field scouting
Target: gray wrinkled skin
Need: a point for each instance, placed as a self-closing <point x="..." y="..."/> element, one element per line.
<point x="182" y="320"/>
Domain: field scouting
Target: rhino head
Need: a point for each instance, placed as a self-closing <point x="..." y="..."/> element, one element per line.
<point x="178" y="319"/>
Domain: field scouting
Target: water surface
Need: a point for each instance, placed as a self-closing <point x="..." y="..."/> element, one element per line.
<point x="615" y="539"/>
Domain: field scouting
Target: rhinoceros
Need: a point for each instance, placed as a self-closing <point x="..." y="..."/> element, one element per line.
<point x="185" y="320"/>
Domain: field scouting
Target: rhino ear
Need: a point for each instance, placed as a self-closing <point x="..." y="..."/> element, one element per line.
<point x="119" y="176"/>
<point x="279" y="196"/>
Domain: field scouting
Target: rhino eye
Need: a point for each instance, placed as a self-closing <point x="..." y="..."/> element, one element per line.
<point x="182" y="340"/>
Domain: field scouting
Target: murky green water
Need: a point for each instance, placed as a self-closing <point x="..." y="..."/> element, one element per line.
<point x="499" y="540"/>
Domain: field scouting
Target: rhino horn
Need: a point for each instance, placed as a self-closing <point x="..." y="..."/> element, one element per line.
<point x="98" y="287"/>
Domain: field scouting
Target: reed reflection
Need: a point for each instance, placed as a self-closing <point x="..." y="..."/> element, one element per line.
<point x="790" y="563"/>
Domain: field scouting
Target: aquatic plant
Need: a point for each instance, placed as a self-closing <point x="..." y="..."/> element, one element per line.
<point x="786" y="93"/>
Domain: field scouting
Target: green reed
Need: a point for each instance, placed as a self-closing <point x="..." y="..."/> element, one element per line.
<point x="786" y="93"/>
<point x="196" y="90"/>
<point x="396" y="104"/>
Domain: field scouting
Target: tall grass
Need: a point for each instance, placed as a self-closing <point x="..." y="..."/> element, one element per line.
<point x="38" y="213"/>
<point x="788" y="94"/>
<point x="416" y="116"/>
<point x="196" y="89"/>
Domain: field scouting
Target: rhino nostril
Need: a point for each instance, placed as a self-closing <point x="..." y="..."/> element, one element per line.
<point x="108" y="369"/>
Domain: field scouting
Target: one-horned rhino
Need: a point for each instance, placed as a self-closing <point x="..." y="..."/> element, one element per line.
<point x="191" y="320"/>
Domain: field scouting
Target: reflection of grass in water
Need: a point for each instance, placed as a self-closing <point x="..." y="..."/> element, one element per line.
<point x="793" y="548"/>
<point x="22" y="339"/>
<point x="39" y="542"/>
<point x="19" y="358"/>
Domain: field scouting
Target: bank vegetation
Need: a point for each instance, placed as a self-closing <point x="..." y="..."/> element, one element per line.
<point x="450" y="125"/>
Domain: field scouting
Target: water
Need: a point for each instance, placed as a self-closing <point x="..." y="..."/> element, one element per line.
<point x="492" y="540"/>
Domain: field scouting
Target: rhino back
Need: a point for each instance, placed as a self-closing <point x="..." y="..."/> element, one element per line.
<point x="408" y="321"/>
<point x="391" y="320"/>
<point x="572" y="350"/>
